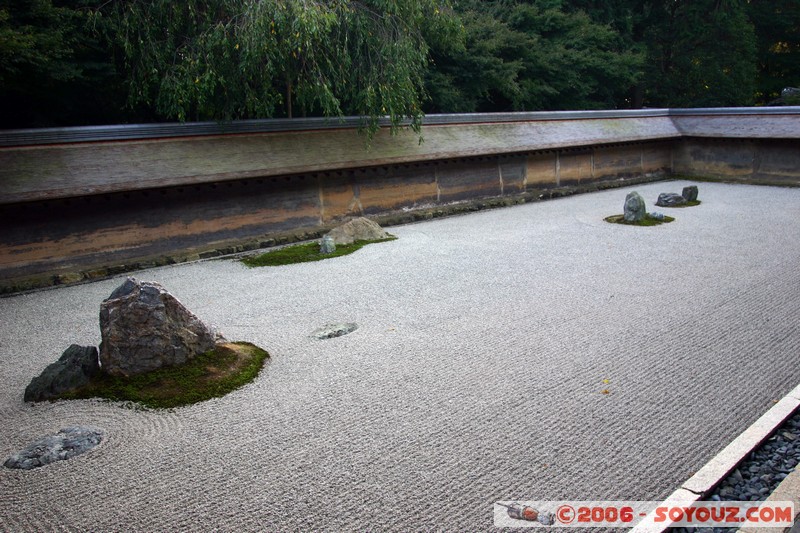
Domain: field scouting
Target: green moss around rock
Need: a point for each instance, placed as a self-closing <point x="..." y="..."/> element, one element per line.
<point x="648" y="220"/>
<point x="690" y="203"/>
<point x="304" y="253"/>
<point x="211" y="375"/>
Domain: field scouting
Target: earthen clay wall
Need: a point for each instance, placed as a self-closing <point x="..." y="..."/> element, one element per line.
<point x="73" y="211"/>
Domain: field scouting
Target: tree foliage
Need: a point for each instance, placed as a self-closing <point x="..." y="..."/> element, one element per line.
<point x="74" y="62"/>
<point x="229" y="59"/>
<point x="701" y="53"/>
<point x="777" y="27"/>
<point x="532" y="55"/>
<point x="698" y="52"/>
<point x="54" y="68"/>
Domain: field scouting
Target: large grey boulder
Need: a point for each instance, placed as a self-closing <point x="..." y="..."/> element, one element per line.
<point x="670" y="199"/>
<point x="690" y="193"/>
<point x="634" y="207"/>
<point x="73" y="369"/>
<point x="64" y="445"/>
<point x="358" y="229"/>
<point x="143" y="328"/>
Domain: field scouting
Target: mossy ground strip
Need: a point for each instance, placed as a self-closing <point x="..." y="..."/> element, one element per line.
<point x="211" y="375"/>
<point x="648" y="220"/>
<point x="304" y="253"/>
<point x="690" y="203"/>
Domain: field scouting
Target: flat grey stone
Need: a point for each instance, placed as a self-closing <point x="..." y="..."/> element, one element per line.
<point x="670" y="199"/>
<point x="64" y="445"/>
<point x="330" y="331"/>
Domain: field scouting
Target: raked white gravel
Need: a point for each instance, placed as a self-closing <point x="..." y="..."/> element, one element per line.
<point x="477" y="373"/>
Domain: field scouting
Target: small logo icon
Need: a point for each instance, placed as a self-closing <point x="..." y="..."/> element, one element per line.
<point x="521" y="512"/>
<point x="565" y="514"/>
<point x="517" y="511"/>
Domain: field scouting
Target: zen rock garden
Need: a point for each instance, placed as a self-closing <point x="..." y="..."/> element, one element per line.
<point x="635" y="209"/>
<point x="146" y="331"/>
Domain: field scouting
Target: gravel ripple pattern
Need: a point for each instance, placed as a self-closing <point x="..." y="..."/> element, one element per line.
<point x="528" y="353"/>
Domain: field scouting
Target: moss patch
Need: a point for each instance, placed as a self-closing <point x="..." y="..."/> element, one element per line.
<point x="304" y="253"/>
<point x="211" y="375"/>
<point x="691" y="203"/>
<point x="648" y="220"/>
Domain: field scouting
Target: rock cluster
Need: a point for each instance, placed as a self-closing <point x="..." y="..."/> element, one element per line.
<point x="144" y="328"/>
<point x="76" y="366"/>
<point x="66" y="444"/>
<point x="358" y="229"/>
<point x="671" y="199"/>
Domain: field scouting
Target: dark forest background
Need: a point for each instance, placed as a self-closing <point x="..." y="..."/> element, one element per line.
<point x="86" y="62"/>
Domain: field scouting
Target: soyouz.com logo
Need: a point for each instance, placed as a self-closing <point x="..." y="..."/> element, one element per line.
<point x="631" y="513"/>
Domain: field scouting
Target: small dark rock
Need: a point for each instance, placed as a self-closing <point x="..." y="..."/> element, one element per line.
<point x="66" y="444"/>
<point x="327" y="245"/>
<point x="690" y="193"/>
<point x="76" y="366"/>
<point x="670" y="199"/>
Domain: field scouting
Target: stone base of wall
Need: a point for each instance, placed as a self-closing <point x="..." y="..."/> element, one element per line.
<point x="764" y="162"/>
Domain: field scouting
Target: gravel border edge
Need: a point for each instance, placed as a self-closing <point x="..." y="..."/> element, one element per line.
<point x="715" y="470"/>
